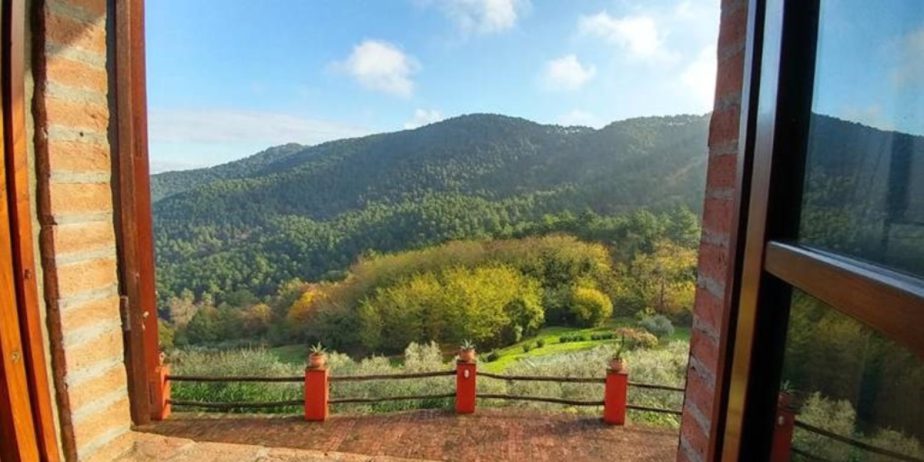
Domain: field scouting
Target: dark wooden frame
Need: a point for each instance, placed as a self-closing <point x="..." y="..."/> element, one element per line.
<point x="132" y="200"/>
<point x="784" y="35"/>
<point x="34" y="434"/>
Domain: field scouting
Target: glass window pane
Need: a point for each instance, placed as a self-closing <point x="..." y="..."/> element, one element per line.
<point x="847" y="379"/>
<point x="864" y="183"/>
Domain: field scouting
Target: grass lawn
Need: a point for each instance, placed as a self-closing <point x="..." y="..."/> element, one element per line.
<point x="291" y="354"/>
<point x="550" y="335"/>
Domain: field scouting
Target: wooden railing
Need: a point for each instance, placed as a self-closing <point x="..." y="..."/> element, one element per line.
<point x="786" y="423"/>
<point x="317" y="384"/>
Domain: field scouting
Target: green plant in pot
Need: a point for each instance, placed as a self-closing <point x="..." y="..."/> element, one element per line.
<point x="317" y="357"/>
<point x="617" y="361"/>
<point x="467" y="351"/>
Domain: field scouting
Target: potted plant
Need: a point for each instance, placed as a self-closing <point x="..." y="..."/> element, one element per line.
<point x="318" y="357"/>
<point x="617" y="362"/>
<point x="467" y="351"/>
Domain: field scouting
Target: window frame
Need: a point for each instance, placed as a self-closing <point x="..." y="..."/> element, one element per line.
<point x="782" y="39"/>
<point x="25" y="381"/>
<point x="132" y="202"/>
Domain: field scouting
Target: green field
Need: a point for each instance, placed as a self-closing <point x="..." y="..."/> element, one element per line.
<point x="296" y="354"/>
<point x="551" y="335"/>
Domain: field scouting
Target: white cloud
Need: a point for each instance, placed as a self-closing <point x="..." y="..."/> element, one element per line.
<point x="567" y="73"/>
<point x="699" y="77"/>
<point x="228" y="126"/>
<point x="579" y="117"/>
<point x="381" y="66"/>
<point x="423" y="117"/>
<point x="911" y="69"/>
<point x="482" y="16"/>
<point x="638" y="34"/>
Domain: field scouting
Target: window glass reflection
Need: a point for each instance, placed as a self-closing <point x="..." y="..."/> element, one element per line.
<point x="846" y="379"/>
<point x="864" y="183"/>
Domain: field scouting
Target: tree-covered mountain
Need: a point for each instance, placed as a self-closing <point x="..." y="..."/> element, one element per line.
<point x="304" y="212"/>
<point x="170" y="183"/>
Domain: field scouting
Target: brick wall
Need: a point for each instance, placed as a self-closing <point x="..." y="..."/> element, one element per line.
<point x="709" y="307"/>
<point x="77" y="232"/>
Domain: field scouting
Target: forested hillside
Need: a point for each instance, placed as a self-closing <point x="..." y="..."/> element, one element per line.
<point x="296" y="212"/>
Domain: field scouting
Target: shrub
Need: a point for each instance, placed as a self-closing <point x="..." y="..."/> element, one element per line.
<point x="485" y="304"/>
<point x="235" y="362"/>
<point x="665" y="366"/>
<point x="637" y="338"/>
<point x="540" y="343"/>
<point x="492" y="356"/>
<point x="658" y="325"/>
<point x="590" y="307"/>
<point x="526" y="347"/>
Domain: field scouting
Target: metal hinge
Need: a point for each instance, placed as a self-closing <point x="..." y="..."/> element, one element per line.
<point x="123" y="313"/>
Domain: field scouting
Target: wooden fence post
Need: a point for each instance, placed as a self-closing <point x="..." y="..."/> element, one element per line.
<point x="783" y="429"/>
<point x="466" y="375"/>
<point x="614" y="398"/>
<point x="316" y="394"/>
<point x="160" y="391"/>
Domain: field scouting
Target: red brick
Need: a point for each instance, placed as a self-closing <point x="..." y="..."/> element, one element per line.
<point x="700" y="394"/>
<point x="80" y="198"/>
<point x="77" y="114"/>
<point x="717" y="213"/>
<point x="708" y="309"/>
<point x="713" y="261"/>
<point x="83" y="236"/>
<point x="96" y="7"/>
<point x="76" y="74"/>
<point x="734" y="26"/>
<point x="722" y="172"/>
<point x="70" y="32"/>
<point x="723" y="127"/>
<point x="75" y="156"/>
<point x="704" y="349"/>
<point x="694" y="435"/>
<point x="729" y="82"/>
<point x="80" y="277"/>
<point x="105" y="347"/>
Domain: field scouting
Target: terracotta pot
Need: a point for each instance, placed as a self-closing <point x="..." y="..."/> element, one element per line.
<point x="467" y="355"/>
<point x="317" y="360"/>
<point x="618" y="365"/>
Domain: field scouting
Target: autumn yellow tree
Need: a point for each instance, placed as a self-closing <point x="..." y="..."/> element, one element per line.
<point x="664" y="280"/>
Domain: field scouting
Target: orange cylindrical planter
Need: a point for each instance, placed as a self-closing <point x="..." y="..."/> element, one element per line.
<point x="160" y="393"/>
<point x="466" y="375"/>
<point x="783" y="429"/>
<point x="316" y="394"/>
<point x="614" y="399"/>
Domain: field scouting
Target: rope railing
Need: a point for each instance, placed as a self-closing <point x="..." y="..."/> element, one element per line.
<point x="317" y="383"/>
<point x="570" y="402"/>
<point x="541" y="378"/>
<point x="808" y="455"/>
<point x="389" y="398"/>
<point x="411" y="375"/>
<point x="241" y="405"/>
<point x="652" y="386"/>
<point x="855" y="443"/>
<point x="652" y="409"/>
<point x="242" y="378"/>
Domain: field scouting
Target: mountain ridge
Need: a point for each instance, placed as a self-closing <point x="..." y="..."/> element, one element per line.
<point x="297" y="211"/>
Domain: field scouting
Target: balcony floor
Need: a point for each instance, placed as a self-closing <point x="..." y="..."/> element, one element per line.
<point x="489" y="435"/>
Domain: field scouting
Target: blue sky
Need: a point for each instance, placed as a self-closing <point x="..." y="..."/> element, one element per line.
<point x="870" y="63"/>
<point x="229" y="78"/>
